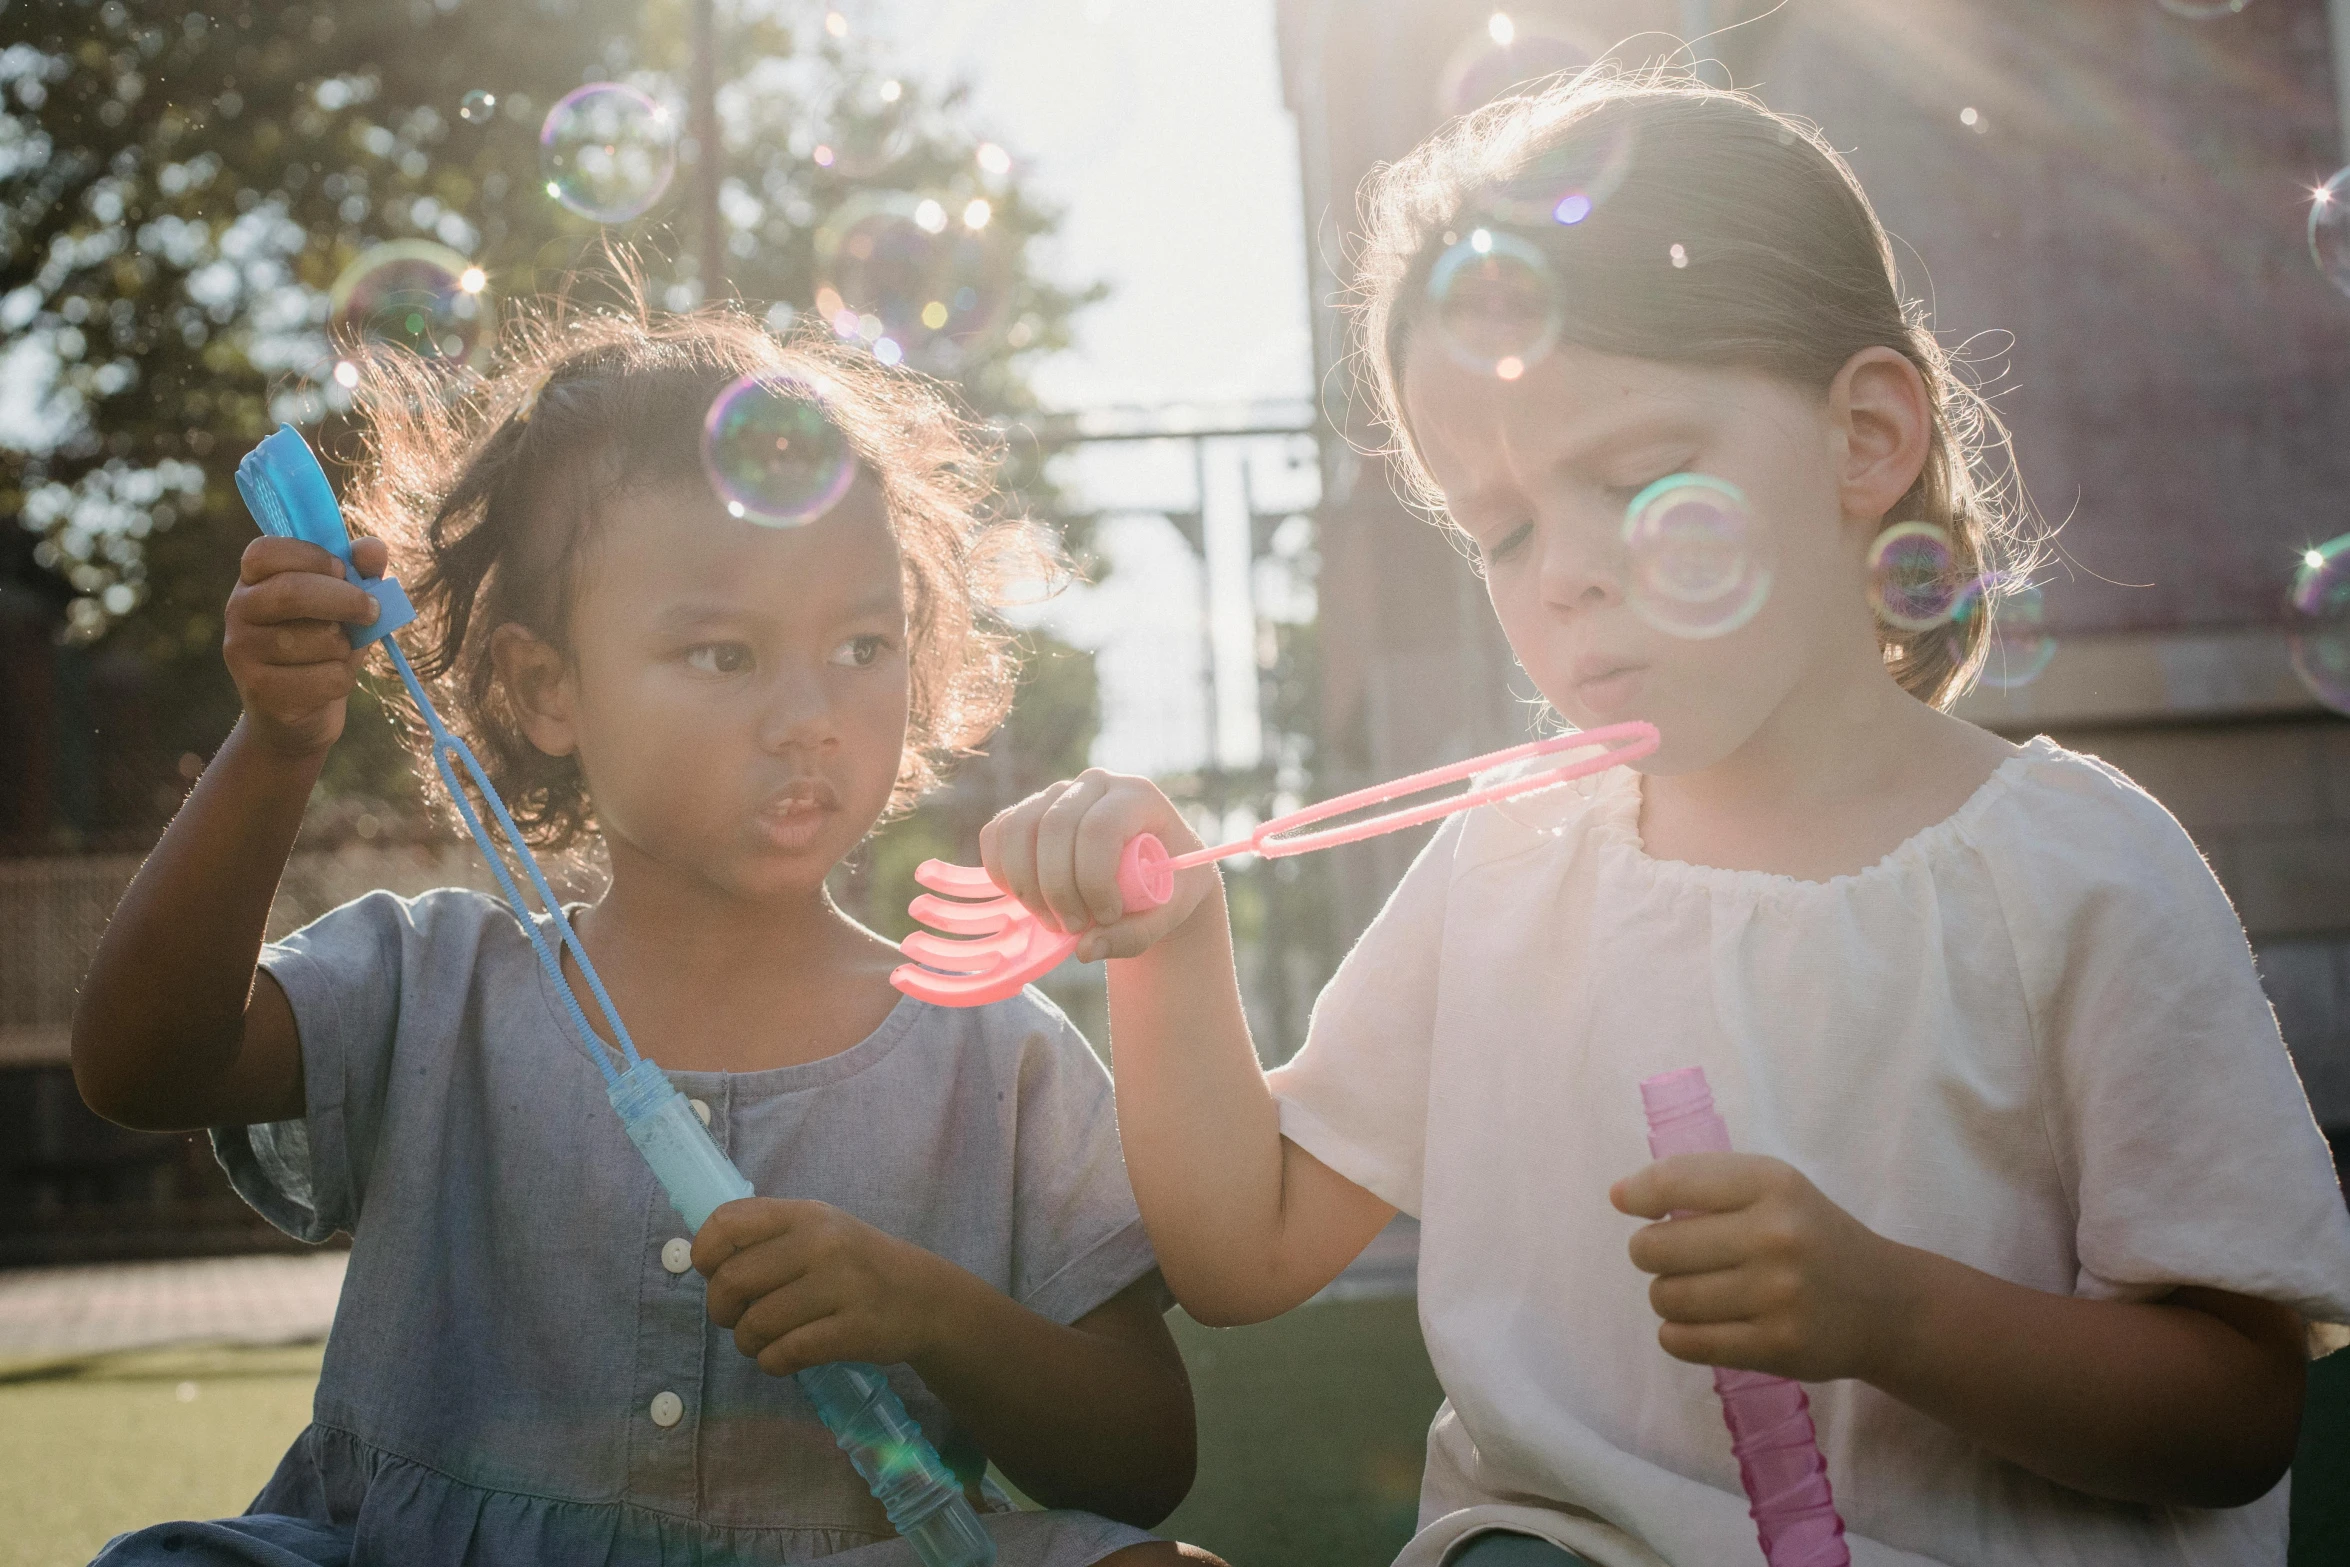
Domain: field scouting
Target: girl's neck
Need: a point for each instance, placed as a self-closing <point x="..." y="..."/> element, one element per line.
<point x="1840" y="775"/>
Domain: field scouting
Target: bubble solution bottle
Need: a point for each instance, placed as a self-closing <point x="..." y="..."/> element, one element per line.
<point x="1769" y="1418"/>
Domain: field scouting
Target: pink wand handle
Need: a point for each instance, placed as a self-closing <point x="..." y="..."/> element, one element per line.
<point x="1769" y="1418"/>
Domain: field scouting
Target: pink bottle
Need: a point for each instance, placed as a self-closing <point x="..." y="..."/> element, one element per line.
<point x="1779" y="1459"/>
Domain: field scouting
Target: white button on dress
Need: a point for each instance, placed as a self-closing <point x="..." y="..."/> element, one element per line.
<point x="677" y="1254"/>
<point x="702" y="1109"/>
<point x="667" y="1409"/>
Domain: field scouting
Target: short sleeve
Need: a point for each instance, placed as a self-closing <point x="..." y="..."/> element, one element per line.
<point x="2174" y="1110"/>
<point x="342" y="974"/>
<point x="1077" y="1237"/>
<point x="1356" y="1095"/>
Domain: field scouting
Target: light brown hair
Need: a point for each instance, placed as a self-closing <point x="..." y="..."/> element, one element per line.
<point x="1732" y="237"/>
<point x="490" y="495"/>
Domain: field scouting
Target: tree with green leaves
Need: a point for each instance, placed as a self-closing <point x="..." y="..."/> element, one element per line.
<point x="180" y="189"/>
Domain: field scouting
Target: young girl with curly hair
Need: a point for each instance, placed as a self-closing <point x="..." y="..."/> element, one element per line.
<point x="526" y="1365"/>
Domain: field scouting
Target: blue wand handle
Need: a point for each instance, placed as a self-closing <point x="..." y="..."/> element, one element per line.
<point x="856" y="1402"/>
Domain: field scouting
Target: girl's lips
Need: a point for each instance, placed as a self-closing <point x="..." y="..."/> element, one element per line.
<point x="792" y="824"/>
<point x="1607" y="695"/>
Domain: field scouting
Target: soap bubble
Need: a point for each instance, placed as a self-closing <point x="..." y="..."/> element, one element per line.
<point x="2202" y="10"/>
<point x="1913" y="584"/>
<point x="1565" y="184"/>
<point x="1506" y="53"/>
<point x="772" y="453"/>
<point x="1698" y="562"/>
<point x="608" y="151"/>
<point x="1495" y="302"/>
<point x="909" y="276"/>
<point x="2318" y="622"/>
<point x="2019" y="646"/>
<point x="478" y="107"/>
<point x="867" y="127"/>
<point x="2329" y="230"/>
<point x="412" y="294"/>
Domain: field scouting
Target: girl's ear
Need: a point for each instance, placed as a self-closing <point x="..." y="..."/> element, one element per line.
<point x="1884" y="423"/>
<point x="537" y="680"/>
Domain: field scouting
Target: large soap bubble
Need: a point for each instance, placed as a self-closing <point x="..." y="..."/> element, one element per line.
<point x="913" y="277"/>
<point x="1506" y="53"/>
<point x="2019" y="647"/>
<point x="2329" y="230"/>
<point x="1495" y="302"/>
<point x="1913" y="584"/>
<point x="2318" y="622"/>
<point x="773" y="454"/>
<point x="412" y="294"/>
<point x="1697" y="562"/>
<point x="608" y="151"/>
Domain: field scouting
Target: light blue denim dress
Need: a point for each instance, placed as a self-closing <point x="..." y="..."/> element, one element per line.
<point x="521" y="1369"/>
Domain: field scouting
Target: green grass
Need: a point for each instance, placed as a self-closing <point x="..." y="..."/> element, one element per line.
<point x="1310" y="1441"/>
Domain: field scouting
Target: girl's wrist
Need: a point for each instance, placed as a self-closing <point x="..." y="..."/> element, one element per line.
<point x="1900" y="1316"/>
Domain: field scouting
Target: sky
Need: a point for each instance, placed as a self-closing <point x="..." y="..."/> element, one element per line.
<point x="1161" y="132"/>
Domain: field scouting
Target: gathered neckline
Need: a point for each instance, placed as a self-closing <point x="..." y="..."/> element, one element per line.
<point x="1616" y="824"/>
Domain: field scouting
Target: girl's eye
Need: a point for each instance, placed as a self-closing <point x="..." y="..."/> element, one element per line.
<point x="861" y="652"/>
<point x="1507" y="545"/>
<point x="719" y="658"/>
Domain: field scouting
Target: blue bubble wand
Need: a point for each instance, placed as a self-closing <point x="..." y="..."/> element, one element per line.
<point x="288" y="494"/>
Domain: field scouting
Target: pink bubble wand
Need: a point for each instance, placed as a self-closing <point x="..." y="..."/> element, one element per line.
<point x="992" y="945"/>
<point x="1769" y="1418"/>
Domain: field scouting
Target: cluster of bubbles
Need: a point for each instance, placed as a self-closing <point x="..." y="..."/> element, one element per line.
<point x="412" y="294"/>
<point x="1917" y="585"/>
<point x="773" y="454"/>
<point x="910" y="277"/>
<point x="2318" y="623"/>
<point x="608" y="151"/>
<point x="1697" y="564"/>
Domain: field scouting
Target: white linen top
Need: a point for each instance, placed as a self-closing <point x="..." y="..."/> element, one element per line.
<point x="2030" y="1038"/>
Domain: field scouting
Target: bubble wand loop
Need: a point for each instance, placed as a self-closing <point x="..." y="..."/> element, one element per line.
<point x="289" y="496"/>
<point x="1769" y="1417"/>
<point x="1004" y="946"/>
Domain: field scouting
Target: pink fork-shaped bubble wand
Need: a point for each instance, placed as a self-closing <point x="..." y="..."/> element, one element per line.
<point x="992" y="946"/>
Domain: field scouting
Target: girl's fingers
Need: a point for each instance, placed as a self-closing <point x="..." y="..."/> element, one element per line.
<point x="302" y="595"/>
<point x="1699" y="1243"/>
<point x="1705" y="1182"/>
<point x="780" y="1312"/>
<point x="270" y="555"/>
<point x="1056" y="851"/>
<point x="1007" y="847"/>
<point x="1739" y="1345"/>
<point x="372" y="556"/>
<point x="1101" y="843"/>
<point x="1725" y="1295"/>
<point x="815" y="1343"/>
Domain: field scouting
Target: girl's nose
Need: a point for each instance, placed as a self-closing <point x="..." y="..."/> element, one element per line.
<point x="1582" y="564"/>
<point x="797" y="712"/>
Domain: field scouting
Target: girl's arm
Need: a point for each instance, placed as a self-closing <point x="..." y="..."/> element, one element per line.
<point x="174" y="1029"/>
<point x="1246" y="1224"/>
<point x="1094" y="1415"/>
<point x="2193" y="1400"/>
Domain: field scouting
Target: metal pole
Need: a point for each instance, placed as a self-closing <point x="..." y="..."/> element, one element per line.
<point x="702" y="125"/>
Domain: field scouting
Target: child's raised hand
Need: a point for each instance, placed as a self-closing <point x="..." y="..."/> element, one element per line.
<point x="1764" y="1273"/>
<point x="801" y="1284"/>
<point x="1057" y="852"/>
<point x="287" y="640"/>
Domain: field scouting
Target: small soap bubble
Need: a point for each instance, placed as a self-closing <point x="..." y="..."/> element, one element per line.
<point x="478" y="107"/>
<point x="608" y="151"/>
<point x="929" y="282"/>
<point x="772" y="453"/>
<point x="2329" y="230"/>
<point x="1913" y="581"/>
<point x="1565" y="184"/>
<point x="1507" y="53"/>
<point x="2202" y="10"/>
<point x="412" y="294"/>
<point x="869" y="125"/>
<point x="2318" y="622"/>
<point x="1698" y="564"/>
<point x="1495" y="302"/>
<point x="2019" y="646"/>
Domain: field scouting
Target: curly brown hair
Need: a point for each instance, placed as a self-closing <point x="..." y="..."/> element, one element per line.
<point x="1781" y="266"/>
<point x="496" y="485"/>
